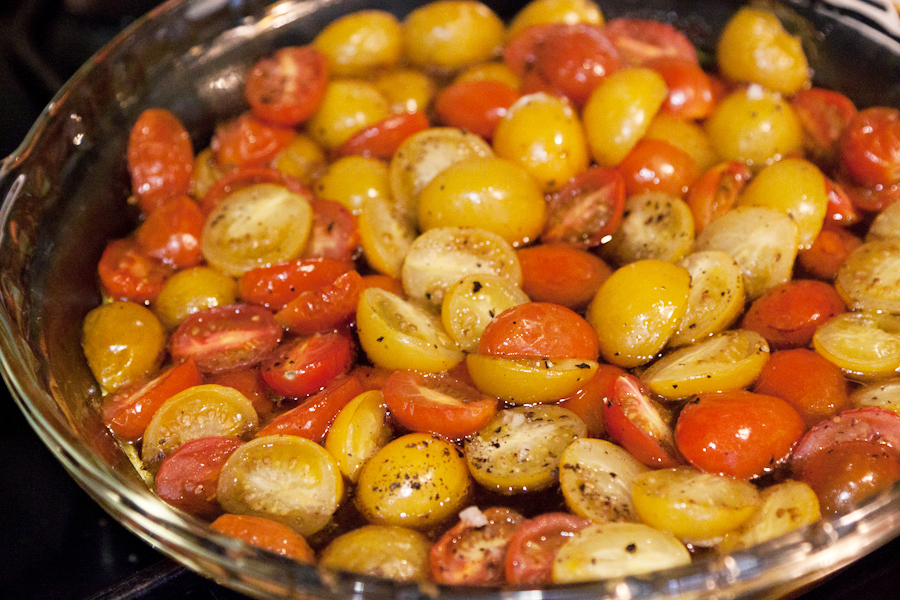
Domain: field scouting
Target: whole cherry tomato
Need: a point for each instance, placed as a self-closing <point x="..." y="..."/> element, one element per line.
<point x="657" y="166"/>
<point x="266" y="534"/>
<point x="127" y="272"/>
<point x="562" y="274"/>
<point x="690" y="88"/>
<point x="824" y="115"/>
<point x="188" y="477"/>
<point x="586" y="210"/>
<point x="475" y="105"/>
<point x="160" y="158"/>
<point x="828" y="252"/>
<point x="171" y="233"/>
<point x="870" y="147"/>
<point x="540" y="329"/>
<point x="287" y="87"/>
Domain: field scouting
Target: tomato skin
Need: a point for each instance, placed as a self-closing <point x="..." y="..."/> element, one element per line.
<point x="437" y="403"/>
<point x="716" y="192"/>
<point x="328" y="307"/>
<point x="815" y="387"/>
<point x="287" y="87"/>
<point x="824" y="115"/>
<point x="276" y="285"/>
<point x="828" y="252"/>
<point x="841" y="210"/>
<point x="586" y="210"/>
<point x="637" y="425"/>
<point x="128" y="273"/>
<point x="657" y="166"/>
<point x="640" y="40"/>
<point x="475" y="106"/>
<point x="247" y="176"/>
<point x="160" y="158"/>
<point x="247" y="141"/>
<point x="870" y="147"/>
<point x="224" y="338"/>
<point x="128" y="412"/>
<point x="738" y="433"/>
<point x="561" y="274"/>
<point x="382" y="139"/>
<point x="539" y="329"/>
<point x="469" y="555"/>
<point x="313" y="418"/>
<point x="171" y="233"/>
<point x="529" y="558"/>
<point x="588" y="402"/>
<point x="788" y="315"/>
<point x="870" y="424"/>
<point x="335" y="232"/>
<point x="872" y="199"/>
<point x="305" y="365"/>
<point x="266" y="534"/>
<point x="690" y="89"/>
<point x="188" y="477"/>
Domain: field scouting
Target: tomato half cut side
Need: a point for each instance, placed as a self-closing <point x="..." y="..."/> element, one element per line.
<point x="160" y="158"/>
<point x="287" y="87"/>
<point x="437" y="403"/>
<point x="313" y="418"/>
<point x="224" y="338"/>
<point x="247" y="176"/>
<point x="635" y="423"/>
<point x="586" y="210"/>
<point x="640" y="40"/>
<point x="529" y="558"/>
<point x="127" y="272"/>
<point x="187" y="478"/>
<point x="824" y="115"/>
<point x="305" y="365"/>
<point x="382" y="139"/>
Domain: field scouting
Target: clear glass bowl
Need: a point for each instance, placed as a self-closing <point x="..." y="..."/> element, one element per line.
<point x="64" y="192"/>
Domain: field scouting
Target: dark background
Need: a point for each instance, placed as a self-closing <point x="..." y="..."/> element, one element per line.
<point x="55" y="542"/>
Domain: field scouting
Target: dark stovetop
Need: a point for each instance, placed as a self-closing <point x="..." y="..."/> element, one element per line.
<point x="55" y="542"/>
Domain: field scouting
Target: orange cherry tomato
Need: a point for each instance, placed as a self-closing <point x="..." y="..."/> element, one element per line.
<point x="716" y="192"/>
<point x="382" y="139"/>
<point x="586" y="210"/>
<point x="737" y="433"/>
<point x="160" y="158"/>
<point x="529" y="558"/>
<point x="313" y="417"/>
<point x="815" y="387"/>
<point x="589" y="401"/>
<point x="328" y="307"/>
<point x="171" y="233"/>
<point x="437" y="403"/>
<point x="640" y="40"/>
<point x="657" y="166"/>
<point x="335" y="232"/>
<point x="276" y="285"/>
<point x="788" y="315"/>
<point x="828" y="252"/>
<point x="305" y="365"/>
<point x="250" y="383"/>
<point x="562" y="274"/>
<point x="246" y="141"/>
<point x="188" y="477"/>
<point x="824" y="115"/>
<point x="128" y="412"/>
<point x="128" y="273"/>
<point x="385" y="282"/>
<point x="247" y="176"/>
<point x="287" y="87"/>
<point x="540" y="329"/>
<point x="870" y="147"/>
<point x="266" y="534"/>
<point x="475" y="105"/>
<point x="690" y="89"/>
<point x="475" y="554"/>
<point x="636" y="424"/>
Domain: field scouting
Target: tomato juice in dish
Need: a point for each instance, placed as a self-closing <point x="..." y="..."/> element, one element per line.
<point x="516" y="303"/>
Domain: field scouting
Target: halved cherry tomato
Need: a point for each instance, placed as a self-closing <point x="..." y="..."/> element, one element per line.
<point x="871" y="424"/>
<point x="287" y="87"/>
<point x="870" y="147"/>
<point x="437" y="403"/>
<point x="171" y="233"/>
<point x="266" y="534"/>
<point x="335" y="232"/>
<point x="586" y="210"/>
<point x="815" y="387"/>
<point x="382" y="139"/>
<point x="637" y="425"/>
<point x="313" y="418"/>
<point x="128" y="412"/>
<point x="223" y="338"/>
<point x="589" y="402"/>
<point x="738" y="433"/>
<point x="247" y="176"/>
<point x="473" y="552"/>
<point x="188" y="477"/>
<point x="656" y="166"/>
<point x="247" y="141"/>
<point x="828" y="252"/>
<point x="328" y="307"/>
<point x="690" y="88"/>
<point x="561" y="274"/>
<point x="128" y="273"/>
<point x="276" y="285"/>
<point x="529" y="558"/>
<point x="640" y="40"/>
<point x="840" y="210"/>
<point x="716" y="192"/>
<point x="539" y="329"/>
<point x="824" y="115"/>
<point x="305" y="365"/>
<point x="475" y="105"/>
<point x="250" y="383"/>
<point x="788" y="315"/>
<point x="160" y="158"/>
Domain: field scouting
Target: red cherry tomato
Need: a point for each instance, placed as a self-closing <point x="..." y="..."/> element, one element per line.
<point x="287" y="87"/>
<point x="371" y="378"/>
<point x="224" y="338"/>
<point x="840" y="210"/>
<point x="788" y="315"/>
<point x="171" y="233"/>
<point x="246" y="176"/>
<point x="188" y="477"/>
<point x="588" y="402"/>
<point x="586" y="210"/>
<point x="872" y="199"/>
<point x="313" y="418"/>
<point x="815" y="387"/>
<point x="637" y="425"/>
<point x="249" y="382"/>
<point x="247" y="141"/>
<point x="737" y="433"/>
<point x="266" y="534"/>
<point x="303" y="366"/>
<point x="540" y="329"/>
<point x="871" y="424"/>
<point x="657" y="166"/>
<point x="870" y="147"/>
<point x="328" y="307"/>
<point x="128" y="273"/>
<point x="160" y="158"/>
<point x="690" y="89"/>
<point x="824" y="114"/>
<point x="437" y="403"/>
<point x="128" y="412"/>
<point x="475" y="554"/>
<point x="475" y="106"/>
<point x="640" y="40"/>
<point x="274" y="286"/>
<point x="562" y="274"/>
<point x="335" y="232"/>
<point x="529" y="559"/>
<point x="828" y="252"/>
<point x="716" y="192"/>
<point x="382" y="139"/>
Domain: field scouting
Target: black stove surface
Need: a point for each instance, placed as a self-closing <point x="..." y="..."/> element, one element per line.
<point x="55" y="542"/>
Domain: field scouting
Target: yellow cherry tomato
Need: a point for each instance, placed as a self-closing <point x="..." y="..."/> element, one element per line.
<point x="349" y="106"/>
<point x="529" y="380"/>
<point x="303" y="158"/>
<point x="448" y="35"/>
<point x="352" y="179"/>
<point x="491" y="71"/>
<point x="387" y="551"/>
<point x="360" y="42"/>
<point x="358" y="432"/>
<point x="193" y="290"/>
<point x="537" y="12"/>
<point x="471" y="303"/>
<point x="407" y="90"/>
<point x="685" y="135"/>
